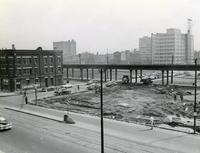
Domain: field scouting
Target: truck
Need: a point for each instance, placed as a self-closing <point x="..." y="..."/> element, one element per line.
<point x="146" y="81"/>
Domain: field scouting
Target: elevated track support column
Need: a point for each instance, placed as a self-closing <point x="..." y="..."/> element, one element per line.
<point x="87" y="74"/>
<point x="92" y="73"/>
<point x="67" y="73"/>
<point x="105" y="75"/>
<point x="110" y="74"/>
<point x="163" y="81"/>
<point x="72" y="73"/>
<point x="131" y="75"/>
<point x="135" y="76"/>
<point x="167" y="77"/>
<point x="172" y="77"/>
<point x="115" y="74"/>
<point x="81" y="73"/>
<point x="140" y="75"/>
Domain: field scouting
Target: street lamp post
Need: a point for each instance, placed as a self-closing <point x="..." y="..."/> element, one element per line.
<point x="101" y="107"/>
<point x="195" y="96"/>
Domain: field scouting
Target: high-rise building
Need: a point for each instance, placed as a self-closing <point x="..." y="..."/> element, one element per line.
<point x="170" y="47"/>
<point x="145" y="49"/>
<point x="68" y="48"/>
<point x="117" y="57"/>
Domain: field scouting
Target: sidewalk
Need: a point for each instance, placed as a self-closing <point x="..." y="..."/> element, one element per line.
<point x="138" y="133"/>
<point x="6" y="94"/>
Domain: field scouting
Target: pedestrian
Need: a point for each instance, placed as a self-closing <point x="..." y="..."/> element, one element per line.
<point x="26" y="100"/>
<point x="24" y="93"/>
<point x="152" y="122"/>
<point x="78" y="87"/>
<point x="174" y="97"/>
<point x="181" y="96"/>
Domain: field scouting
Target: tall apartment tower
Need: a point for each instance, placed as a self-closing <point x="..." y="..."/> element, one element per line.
<point x="68" y="48"/>
<point x="145" y="49"/>
<point x="165" y="48"/>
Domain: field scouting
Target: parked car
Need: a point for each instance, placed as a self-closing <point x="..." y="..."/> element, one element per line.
<point x="68" y="85"/>
<point x="146" y="81"/>
<point x="43" y="90"/>
<point x="4" y="124"/>
<point x="62" y="91"/>
<point x="51" y="88"/>
<point x="93" y="86"/>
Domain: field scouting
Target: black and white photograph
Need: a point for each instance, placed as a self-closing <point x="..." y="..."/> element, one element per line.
<point x="99" y="76"/>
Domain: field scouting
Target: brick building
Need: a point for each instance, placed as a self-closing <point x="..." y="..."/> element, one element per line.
<point x="22" y="68"/>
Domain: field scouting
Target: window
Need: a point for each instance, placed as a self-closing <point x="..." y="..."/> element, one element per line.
<point x="51" y="60"/>
<point x="19" y="71"/>
<point x="30" y="60"/>
<point x="24" y="61"/>
<point x="59" y="69"/>
<point x="46" y="70"/>
<point x="45" y="60"/>
<point x="35" y="61"/>
<point x="51" y="69"/>
<point x="31" y="71"/>
<point x="59" y="60"/>
<point x="24" y="71"/>
<point x="18" y="60"/>
<point x="36" y="70"/>
<point x="36" y="80"/>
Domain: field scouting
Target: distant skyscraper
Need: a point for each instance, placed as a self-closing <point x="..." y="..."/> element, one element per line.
<point x="68" y="48"/>
<point x="116" y="58"/>
<point x="165" y="47"/>
<point x="145" y="49"/>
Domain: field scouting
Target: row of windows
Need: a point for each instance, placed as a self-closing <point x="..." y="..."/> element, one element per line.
<point x="35" y="71"/>
<point x="28" y="61"/>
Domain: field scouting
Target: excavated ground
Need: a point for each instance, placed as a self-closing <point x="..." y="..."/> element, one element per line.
<point x="129" y="103"/>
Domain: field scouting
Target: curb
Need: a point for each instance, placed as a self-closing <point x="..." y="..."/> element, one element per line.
<point x="62" y="121"/>
<point x="8" y="95"/>
<point x="21" y="111"/>
<point x="173" y="130"/>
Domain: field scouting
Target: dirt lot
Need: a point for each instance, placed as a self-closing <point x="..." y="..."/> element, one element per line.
<point x="128" y="102"/>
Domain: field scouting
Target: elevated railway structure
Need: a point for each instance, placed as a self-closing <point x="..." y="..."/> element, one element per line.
<point x="166" y="70"/>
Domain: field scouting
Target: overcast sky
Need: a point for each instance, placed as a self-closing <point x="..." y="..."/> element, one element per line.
<point x="96" y="25"/>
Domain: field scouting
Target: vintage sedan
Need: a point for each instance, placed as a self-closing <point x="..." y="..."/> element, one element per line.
<point x="4" y="124"/>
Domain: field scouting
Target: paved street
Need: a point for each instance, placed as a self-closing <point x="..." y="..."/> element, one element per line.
<point x="34" y="134"/>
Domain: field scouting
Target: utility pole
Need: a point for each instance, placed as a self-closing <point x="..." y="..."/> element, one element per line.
<point x="195" y="96"/>
<point x="101" y="107"/>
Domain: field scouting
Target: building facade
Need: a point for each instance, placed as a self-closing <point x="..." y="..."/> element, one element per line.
<point x="24" y="68"/>
<point x="117" y="58"/>
<point x="68" y="48"/>
<point x="145" y="49"/>
<point x="167" y="48"/>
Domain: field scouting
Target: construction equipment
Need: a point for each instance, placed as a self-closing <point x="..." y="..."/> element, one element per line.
<point x="146" y="81"/>
<point x="125" y="79"/>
